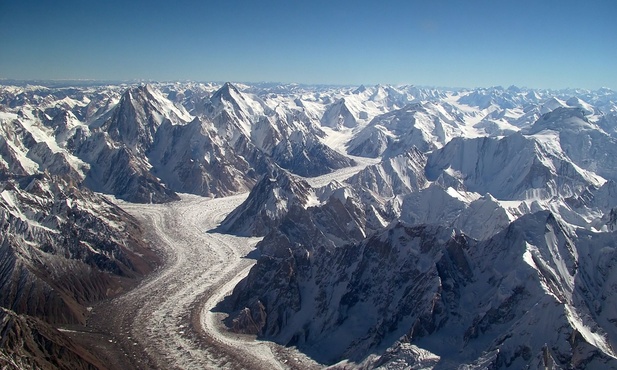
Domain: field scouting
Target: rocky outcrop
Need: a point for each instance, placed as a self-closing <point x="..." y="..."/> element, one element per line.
<point x="29" y="343"/>
<point x="64" y="248"/>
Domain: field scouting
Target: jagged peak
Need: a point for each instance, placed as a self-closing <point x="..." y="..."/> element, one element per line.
<point x="226" y="92"/>
<point x="359" y="90"/>
<point x="141" y="90"/>
<point x="267" y="203"/>
<point x="148" y="87"/>
<point x="141" y="96"/>
<point x="533" y="226"/>
<point x="245" y="107"/>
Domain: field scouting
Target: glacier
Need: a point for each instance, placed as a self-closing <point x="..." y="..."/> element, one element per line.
<point x="385" y="227"/>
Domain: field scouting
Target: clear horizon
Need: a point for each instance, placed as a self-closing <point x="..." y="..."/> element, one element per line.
<point x="65" y="83"/>
<point x="478" y="43"/>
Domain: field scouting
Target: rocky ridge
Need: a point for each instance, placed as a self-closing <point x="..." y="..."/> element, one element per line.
<point x="491" y="211"/>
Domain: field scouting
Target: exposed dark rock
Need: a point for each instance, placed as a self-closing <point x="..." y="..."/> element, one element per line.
<point x="29" y="343"/>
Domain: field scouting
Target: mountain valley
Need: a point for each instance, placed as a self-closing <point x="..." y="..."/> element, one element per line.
<point x="296" y="226"/>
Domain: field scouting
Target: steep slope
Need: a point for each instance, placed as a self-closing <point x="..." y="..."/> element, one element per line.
<point x="63" y="248"/>
<point x="116" y="170"/>
<point x="354" y="108"/>
<point x="514" y="167"/>
<point x="399" y="175"/>
<point x="26" y="148"/>
<point x="439" y="290"/>
<point x="304" y="155"/>
<point x="139" y="114"/>
<point x="329" y="303"/>
<point x="29" y="343"/>
<point x="288" y="137"/>
<point x="134" y="144"/>
<point x="340" y="115"/>
<point x="233" y="113"/>
<point x="608" y="123"/>
<point x="583" y="142"/>
<point x="192" y="159"/>
<point x="116" y="151"/>
<point x="426" y="126"/>
<point x="596" y="206"/>
<point x="268" y="202"/>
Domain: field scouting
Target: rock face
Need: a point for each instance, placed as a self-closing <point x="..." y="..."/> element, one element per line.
<point x="437" y="289"/>
<point x="29" y="343"/>
<point x="269" y="201"/>
<point x="63" y="248"/>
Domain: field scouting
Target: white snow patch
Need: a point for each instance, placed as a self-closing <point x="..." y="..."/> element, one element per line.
<point x="464" y="196"/>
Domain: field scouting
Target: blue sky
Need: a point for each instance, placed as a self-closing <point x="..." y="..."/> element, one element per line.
<point x="464" y="43"/>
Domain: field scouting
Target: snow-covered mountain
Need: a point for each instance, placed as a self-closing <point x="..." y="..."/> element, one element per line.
<point x="63" y="248"/>
<point x="584" y="142"/>
<point x="399" y="175"/>
<point x="480" y="236"/>
<point x="424" y="125"/>
<point x="437" y="289"/>
<point x="269" y="201"/>
<point x="514" y="167"/>
<point x="143" y="146"/>
<point x="447" y="194"/>
<point x="191" y="158"/>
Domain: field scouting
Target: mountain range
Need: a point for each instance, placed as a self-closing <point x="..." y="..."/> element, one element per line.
<point x="477" y="233"/>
